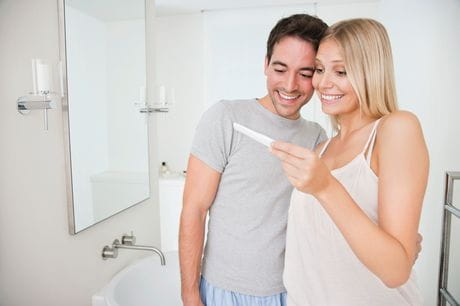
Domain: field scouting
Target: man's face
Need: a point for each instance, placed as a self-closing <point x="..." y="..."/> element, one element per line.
<point x="289" y="76"/>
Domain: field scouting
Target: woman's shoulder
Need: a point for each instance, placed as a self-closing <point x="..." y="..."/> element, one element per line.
<point x="402" y="123"/>
<point x="400" y="129"/>
<point x="399" y="118"/>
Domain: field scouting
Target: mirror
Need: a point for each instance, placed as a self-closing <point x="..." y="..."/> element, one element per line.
<point x="107" y="135"/>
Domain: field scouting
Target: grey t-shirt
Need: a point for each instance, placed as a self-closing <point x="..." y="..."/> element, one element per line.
<point x="247" y="221"/>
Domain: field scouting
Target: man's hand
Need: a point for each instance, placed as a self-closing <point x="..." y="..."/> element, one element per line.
<point x="194" y="300"/>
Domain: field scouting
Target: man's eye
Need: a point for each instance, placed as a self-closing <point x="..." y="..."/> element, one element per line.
<point x="279" y="70"/>
<point x="306" y="75"/>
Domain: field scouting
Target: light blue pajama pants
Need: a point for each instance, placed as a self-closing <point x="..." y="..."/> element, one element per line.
<point x="213" y="296"/>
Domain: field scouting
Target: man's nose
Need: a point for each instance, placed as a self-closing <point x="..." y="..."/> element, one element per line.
<point x="290" y="83"/>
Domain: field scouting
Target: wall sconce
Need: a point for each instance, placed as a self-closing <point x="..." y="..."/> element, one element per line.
<point x="40" y="98"/>
<point x="162" y="100"/>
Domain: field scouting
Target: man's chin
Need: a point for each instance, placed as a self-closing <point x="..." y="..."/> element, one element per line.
<point x="288" y="113"/>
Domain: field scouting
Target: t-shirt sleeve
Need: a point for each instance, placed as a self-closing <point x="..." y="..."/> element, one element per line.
<point x="213" y="137"/>
<point x="321" y="136"/>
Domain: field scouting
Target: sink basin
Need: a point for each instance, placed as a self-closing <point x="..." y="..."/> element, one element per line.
<point x="144" y="283"/>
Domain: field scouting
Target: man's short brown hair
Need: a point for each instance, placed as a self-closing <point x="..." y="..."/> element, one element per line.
<point x="303" y="26"/>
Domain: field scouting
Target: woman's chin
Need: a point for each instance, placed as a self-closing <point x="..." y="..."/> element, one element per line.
<point x="327" y="110"/>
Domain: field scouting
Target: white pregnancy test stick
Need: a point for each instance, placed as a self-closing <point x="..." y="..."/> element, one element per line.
<point x="265" y="140"/>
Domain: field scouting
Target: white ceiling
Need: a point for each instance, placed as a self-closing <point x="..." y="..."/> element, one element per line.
<point x="109" y="10"/>
<point x="173" y="7"/>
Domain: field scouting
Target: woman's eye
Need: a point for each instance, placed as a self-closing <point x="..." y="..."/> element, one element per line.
<point x="319" y="70"/>
<point x="342" y="73"/>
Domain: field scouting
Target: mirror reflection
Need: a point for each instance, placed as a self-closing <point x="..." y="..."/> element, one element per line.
<point x="105" y="60"/>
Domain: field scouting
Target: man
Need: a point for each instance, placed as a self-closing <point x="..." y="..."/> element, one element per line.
<point x="243" y="186"/>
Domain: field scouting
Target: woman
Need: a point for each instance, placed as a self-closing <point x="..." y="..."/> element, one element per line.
<point x="356" y="205"/>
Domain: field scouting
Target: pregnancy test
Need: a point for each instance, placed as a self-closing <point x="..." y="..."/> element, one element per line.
<point x="265" y="140"/>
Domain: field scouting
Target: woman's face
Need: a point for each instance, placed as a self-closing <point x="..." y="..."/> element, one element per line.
<point x="331" y="82"/>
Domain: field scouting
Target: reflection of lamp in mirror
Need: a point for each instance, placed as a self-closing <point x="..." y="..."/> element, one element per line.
<point x="163" y="99"/>
<point x="164" y="96"/>
<point x="41" y="96"/>
<point x="142" y="104"/>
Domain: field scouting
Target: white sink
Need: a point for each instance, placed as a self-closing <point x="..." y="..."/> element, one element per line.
<point x="144" y="283"/>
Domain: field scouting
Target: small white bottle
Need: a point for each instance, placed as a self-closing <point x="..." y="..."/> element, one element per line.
<point x="164" y="170"/>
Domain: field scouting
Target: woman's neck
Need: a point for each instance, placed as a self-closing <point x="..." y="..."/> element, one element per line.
<point x="349" y="124"/>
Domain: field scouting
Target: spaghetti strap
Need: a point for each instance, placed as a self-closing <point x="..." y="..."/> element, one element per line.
<point x="323" y="149"/>
<point x="370" y="142"/>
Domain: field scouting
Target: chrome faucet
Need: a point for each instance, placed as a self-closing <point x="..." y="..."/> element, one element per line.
<point x="128" y="242"/>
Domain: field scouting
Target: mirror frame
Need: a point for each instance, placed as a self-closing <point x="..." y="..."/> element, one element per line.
<point x="66" y="123"/>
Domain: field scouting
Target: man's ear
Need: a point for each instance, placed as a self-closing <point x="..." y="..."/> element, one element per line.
<point x="266" y="63"/>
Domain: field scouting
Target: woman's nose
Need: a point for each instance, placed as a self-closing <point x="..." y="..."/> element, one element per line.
<point x="325" y="81"/>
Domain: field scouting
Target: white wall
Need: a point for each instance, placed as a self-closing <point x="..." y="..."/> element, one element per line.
<point x="235" y="50"/>
<point x="40" y="263"/>
<point x="425" y="38"/>
<point x="179" y="65"/>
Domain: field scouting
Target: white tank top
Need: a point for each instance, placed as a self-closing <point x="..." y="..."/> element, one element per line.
<point x="320" y="267"/>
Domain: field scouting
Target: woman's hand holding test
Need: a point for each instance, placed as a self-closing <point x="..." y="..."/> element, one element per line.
<point x="304" y="169"/>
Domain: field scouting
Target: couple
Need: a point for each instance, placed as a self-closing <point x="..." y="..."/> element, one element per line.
<point x="353" y="214"/>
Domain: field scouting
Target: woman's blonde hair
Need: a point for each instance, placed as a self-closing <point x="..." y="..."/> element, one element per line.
<point x="366" y="50"/>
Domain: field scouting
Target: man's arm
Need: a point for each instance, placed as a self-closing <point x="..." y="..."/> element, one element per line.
<point x="200" y="189"/>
